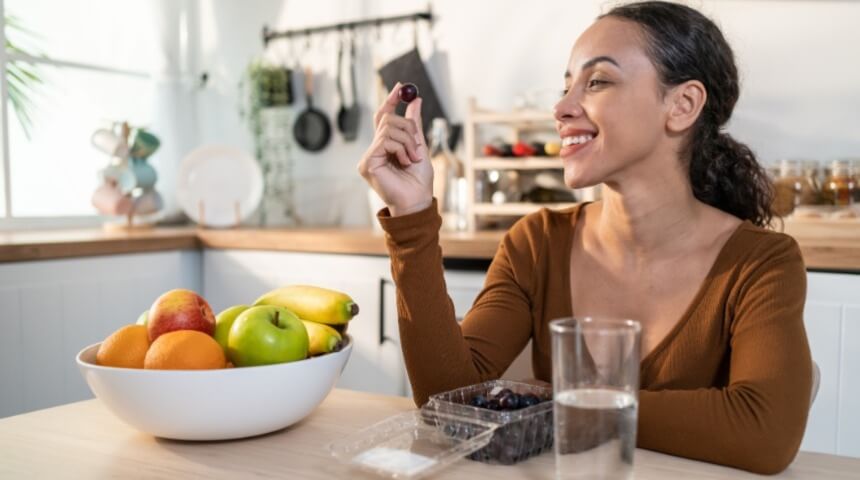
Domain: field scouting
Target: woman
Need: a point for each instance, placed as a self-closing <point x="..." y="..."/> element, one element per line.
<point x="677" y="242"/>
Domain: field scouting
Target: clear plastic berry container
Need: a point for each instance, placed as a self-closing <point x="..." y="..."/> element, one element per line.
<point x="412" y="444"/>
<point x="521" y="433"/>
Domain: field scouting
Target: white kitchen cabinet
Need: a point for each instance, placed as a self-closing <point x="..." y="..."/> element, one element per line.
<point x="832" y="319"/>
<point x="54" y="308"/>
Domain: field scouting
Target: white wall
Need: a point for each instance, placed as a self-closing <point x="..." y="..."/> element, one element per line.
<point x="798" y="61"/>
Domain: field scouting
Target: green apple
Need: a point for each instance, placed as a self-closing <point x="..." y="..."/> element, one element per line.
<point x="143" y="318"/>
<point x="223" y="322"/>
<point x="267" y="334"/>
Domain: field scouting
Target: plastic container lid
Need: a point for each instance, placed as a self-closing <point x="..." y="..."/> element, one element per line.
<point x="412" y="444"/>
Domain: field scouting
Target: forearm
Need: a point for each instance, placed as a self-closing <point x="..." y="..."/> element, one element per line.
<point x="741" y="426"/>
<point x="436" y="355"/>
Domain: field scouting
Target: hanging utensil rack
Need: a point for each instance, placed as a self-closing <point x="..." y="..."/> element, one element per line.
<point x="269" y="35"/>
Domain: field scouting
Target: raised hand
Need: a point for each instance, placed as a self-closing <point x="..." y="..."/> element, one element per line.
<point x="396" y="165"/>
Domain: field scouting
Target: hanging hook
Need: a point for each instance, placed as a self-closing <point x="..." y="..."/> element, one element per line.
<point x="415" y="32"/>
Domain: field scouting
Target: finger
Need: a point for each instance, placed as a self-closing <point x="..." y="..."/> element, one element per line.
<point x="396" y="121"/>
<point x="407" y="139"/>
<point x="389" y="105"/>
<point x="396" y="149"/>
<point x="413" y="112"/>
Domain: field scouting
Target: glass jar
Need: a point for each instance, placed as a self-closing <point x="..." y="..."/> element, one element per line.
<point x="855" y="174"/>
<point x="839" y="186"/>
<point x="812" y="172"/>
<point x="792" y="187"/>
<point x="449" y="184"/>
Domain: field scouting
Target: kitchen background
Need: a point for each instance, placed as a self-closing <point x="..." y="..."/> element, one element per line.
<point x="800" y="99"/>
<point x="799" y="93"/>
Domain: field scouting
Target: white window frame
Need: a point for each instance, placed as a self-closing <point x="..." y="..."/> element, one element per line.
<point x="7" y="221"/>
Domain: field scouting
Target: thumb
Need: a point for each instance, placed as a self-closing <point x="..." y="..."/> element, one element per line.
<point x="413" y="112"/>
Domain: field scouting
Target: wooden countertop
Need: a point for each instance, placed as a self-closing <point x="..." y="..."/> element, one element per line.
<point x="826" y="245"/>
<point x="84" y="440"/>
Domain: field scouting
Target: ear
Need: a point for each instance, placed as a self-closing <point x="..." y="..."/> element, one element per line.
<point x="685" y="102"/>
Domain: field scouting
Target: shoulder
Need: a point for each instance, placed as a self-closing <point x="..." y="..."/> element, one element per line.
<point x="539" y="231"/>
<point x="760" y="246"/>
<point x="766" y="260"/>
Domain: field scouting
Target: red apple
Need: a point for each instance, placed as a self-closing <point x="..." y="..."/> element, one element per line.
<point x="180" y="309"/>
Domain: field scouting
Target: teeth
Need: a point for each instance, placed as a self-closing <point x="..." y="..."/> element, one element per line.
<point x="567" y="141"/>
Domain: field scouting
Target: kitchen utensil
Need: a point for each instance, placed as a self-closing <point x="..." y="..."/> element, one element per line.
<point x="214" y="404"/>
<point x="219" y="186"/>
<point x="341" y="112"/>
<point x="312" y="129"/>
<point x="348" y="118"/>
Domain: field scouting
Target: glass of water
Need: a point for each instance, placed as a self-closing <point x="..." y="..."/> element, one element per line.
<point x="595" y="373"/>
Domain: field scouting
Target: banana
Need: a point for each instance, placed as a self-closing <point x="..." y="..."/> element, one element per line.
<point x="315" y="304"/>
<point x="323" y="339"/>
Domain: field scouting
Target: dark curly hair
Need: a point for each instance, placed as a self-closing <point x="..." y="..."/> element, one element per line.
<point x="683" y="45"/>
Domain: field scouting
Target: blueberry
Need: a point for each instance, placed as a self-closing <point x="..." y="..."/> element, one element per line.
<point x="509" y="401"/>
<point x="408" y="92"/>
<point x="479" y="401"/>
<point x="494" y="404"/>
<point x="528" y="400"/>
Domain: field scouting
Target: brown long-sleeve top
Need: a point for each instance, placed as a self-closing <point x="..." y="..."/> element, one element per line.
<point x="730" y="384"/>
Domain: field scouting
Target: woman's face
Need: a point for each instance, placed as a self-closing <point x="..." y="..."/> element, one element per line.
<point x="612" y="114"/>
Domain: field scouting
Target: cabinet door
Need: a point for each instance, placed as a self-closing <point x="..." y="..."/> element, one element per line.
<point x="832" y="320"/>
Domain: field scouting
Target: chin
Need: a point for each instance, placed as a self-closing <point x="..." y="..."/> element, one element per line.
<point x="579" y="178"/>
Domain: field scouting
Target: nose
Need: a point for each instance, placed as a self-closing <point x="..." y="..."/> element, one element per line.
<point x="568" y="107"/>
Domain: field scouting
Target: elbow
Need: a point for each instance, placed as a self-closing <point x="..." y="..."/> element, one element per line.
<point x="766" y="454"/>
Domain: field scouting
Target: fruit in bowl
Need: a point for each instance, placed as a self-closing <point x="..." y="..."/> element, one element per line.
<point x="217" y="404"/>
<point x="169" y="373"/>
<point x="179" y="309"/>
<point x="267" y="334"/>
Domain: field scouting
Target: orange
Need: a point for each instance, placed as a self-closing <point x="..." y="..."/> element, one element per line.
<point x="125" y="348"/>
<point x="185" y="350"/>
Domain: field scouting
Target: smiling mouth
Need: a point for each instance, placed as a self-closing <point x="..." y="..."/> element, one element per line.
<point x="576" y="140"/>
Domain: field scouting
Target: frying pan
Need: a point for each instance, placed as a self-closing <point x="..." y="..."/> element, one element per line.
<point x="348" y="117"/>
<point x="312" y="129"/>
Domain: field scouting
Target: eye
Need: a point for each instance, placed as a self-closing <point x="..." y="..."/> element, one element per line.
<point x="596" y="83"/>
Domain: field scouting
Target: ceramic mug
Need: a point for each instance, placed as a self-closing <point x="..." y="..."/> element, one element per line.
<point x="121" y="176"/>
<point x="144" y="174"/>
<point x="109" y="200"/>
<point x="148" y="202"/>
<point x="109" y="142"/>
<point x="144" y="144"/>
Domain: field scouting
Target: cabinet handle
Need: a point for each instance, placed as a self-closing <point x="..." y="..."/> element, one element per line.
<point x="382" y="336"/>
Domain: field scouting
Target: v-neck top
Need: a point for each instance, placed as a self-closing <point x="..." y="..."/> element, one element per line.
<point x="729" y="384"/>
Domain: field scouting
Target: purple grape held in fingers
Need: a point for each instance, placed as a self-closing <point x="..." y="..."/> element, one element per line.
<point x="408" y="92"/>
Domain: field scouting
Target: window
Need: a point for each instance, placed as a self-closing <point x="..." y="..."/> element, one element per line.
<point x="94" y="59"/>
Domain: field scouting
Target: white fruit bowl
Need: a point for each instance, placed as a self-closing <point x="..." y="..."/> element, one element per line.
<point x="214" y="404"/>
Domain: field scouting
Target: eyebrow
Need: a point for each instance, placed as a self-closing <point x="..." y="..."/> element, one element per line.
<point x="594" y="61"/>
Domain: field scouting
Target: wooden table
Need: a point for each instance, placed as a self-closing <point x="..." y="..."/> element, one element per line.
<point x="84" y="440"/>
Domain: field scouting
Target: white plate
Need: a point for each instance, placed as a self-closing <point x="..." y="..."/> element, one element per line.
<point x="219" y="183"/>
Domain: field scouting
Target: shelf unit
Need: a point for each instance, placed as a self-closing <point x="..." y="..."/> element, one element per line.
<point x="516" y="123"/>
